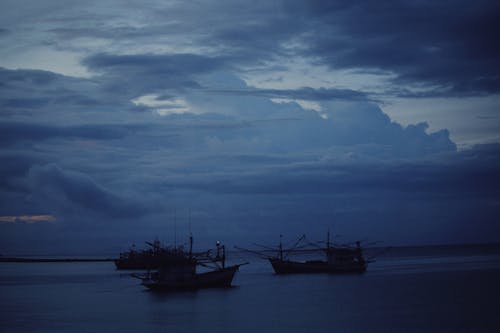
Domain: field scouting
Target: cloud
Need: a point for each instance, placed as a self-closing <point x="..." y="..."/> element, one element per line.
<point x="142" y="74"/>
<point x="265" y="161"/>
<point x="36" y="93"/>
<point x="449" y="50"/>
<point x="172" y="64"/>
<point x="453" y="196"/>
<point x="304" y="93"/>
<point x="16" y="132"/>
<point x="444" y="49"/>
<point x="74" y="191"/>
<point x="127" y="80"/>
<point x="288" y="127"/>
<point x="467" y="174"/>
<point x="275" y="151"/>
<point x="171" y="74"/>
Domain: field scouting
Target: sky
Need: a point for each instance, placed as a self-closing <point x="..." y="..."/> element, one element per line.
<point x="122" y="121"/>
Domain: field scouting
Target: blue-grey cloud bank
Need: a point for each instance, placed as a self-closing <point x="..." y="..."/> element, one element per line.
<point x="254" y="120"/>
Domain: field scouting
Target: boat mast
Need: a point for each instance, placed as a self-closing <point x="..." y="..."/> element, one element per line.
<point x="190" y="246"/>
<point x="280" y="251"/>
<point x="190" y="236"/>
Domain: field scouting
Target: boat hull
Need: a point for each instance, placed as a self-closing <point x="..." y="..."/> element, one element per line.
<point x="295" y="267"/>
<point x="214" y="279"/>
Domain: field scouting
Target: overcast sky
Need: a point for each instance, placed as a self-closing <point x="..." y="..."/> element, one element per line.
<point x="378" y="120"/>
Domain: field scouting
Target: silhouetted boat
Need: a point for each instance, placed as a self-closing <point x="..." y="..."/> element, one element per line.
<point x="339" y="259"/>
<point x="180" y="271"/>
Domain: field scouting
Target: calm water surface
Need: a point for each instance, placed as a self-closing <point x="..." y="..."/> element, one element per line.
<point x="416" y="290"/>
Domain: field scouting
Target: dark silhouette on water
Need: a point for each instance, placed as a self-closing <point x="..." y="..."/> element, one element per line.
<point x="178" y="270"/>
<point x="339" y="258"/>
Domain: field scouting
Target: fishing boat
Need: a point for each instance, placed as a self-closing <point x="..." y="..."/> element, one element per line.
<point x="338" y="258"/>
<point x="180" y="272"/>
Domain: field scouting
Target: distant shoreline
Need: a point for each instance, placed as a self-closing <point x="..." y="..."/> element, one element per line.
<point x="35" y="260"/>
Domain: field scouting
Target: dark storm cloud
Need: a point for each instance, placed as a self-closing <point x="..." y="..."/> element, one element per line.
<point x="13" y="133"/>
<point x="147" y="73"/>
<point x="33" y="90"/>
<point x="124" y="78"/>
<point x="110" y="32"/>
<point x="9" y="78"/>
<point x="451" y="45"/>
<point x="174" y="64"/>
<point x="141" y="74"/>
<point x="447" y="47"/>
<point x="25" y="103"/>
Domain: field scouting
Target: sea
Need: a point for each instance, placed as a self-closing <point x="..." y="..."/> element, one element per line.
<point x="407" y="289"/>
